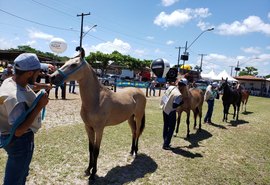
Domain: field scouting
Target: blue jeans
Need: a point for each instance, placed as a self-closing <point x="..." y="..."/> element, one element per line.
<point x="209" y="113"/>
<point x="20" y="152"/>
<point x="169" y="126"/>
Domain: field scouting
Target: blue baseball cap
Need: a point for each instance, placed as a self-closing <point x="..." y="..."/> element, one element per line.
<point x="27" y="62"/>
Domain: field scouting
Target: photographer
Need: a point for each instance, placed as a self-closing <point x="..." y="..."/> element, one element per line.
<point x="8" y="72"/>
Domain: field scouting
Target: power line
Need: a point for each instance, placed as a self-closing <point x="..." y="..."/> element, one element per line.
<point x="41" y="24"/>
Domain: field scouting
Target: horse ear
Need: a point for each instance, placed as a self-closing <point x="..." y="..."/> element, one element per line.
<point x="82" y="52"/>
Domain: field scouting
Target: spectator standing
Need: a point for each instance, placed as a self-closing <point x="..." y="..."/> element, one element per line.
<point x="72" y="87"/>
<point x="152" y="87"/>
<point x="210" y="94"/>
<point x="17" y="97"/>
<point x="8" y="72"/>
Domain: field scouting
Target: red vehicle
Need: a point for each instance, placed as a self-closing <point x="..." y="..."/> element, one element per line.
<point x="145" y="75"/>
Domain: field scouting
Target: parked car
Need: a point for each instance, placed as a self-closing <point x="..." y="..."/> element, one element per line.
<point x="202" y="84"/>
<point x="109" y="79"/>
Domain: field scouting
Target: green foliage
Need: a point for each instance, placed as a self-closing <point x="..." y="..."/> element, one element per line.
<point x="249" y="71"/>
<point x="101" y="60"/>
<point x="26" y="48"/>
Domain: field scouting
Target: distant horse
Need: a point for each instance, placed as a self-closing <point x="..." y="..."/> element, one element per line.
<point x="102" y="107"/>
<point x="230" y="96"/>
<point x="245" y="96"/>
<point x="193" y="100"/>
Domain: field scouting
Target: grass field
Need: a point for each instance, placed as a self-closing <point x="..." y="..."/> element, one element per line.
<point x="222" y="153"/>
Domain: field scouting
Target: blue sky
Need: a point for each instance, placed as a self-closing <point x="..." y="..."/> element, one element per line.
<point x="147" y="29"/>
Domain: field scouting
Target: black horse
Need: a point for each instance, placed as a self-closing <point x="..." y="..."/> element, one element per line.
<point x="230" y="96"/>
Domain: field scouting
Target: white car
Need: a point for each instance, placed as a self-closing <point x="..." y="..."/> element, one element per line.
<point x="109" y="79"/>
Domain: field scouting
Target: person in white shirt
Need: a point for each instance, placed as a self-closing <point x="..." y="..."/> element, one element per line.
<point x="171" y="99"/>
<point x="210" y="94"/>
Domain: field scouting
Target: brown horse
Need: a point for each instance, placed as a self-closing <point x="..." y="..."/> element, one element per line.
<point x="193" y="100"/>
<point x="245" y="96"/>
<point x="102" y="107"/>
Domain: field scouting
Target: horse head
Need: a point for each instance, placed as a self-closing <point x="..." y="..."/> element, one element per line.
<point x="224" y="84"/>
<point x="71" y="70"/>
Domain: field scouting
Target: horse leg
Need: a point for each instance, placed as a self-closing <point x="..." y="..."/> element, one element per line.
<point x="188" y="122"/>
<point x="140" y="124"/>
<point x="234" y="110"/>
<point x="91" y="138"/>
<point x="96" y="153"/>
<point x="200" y="118"/>
<point x="132" y="125"/>
<point x="195" y="113"/>
<point x="178" y="123"/>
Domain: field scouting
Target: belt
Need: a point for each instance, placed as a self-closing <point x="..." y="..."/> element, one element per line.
<point x="7" y="133"/>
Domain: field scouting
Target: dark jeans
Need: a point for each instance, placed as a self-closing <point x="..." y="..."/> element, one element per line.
<point x="154" y="91"/>
<point x="63" y="89"/>
<point x="20" y="152"/>
<point x="209" y="113"/>
<point x="169" y="126"/>
<point x="72" y="86"/>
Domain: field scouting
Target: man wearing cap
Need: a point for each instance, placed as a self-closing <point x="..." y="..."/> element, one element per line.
<point x="171" y="99"/>
<point x="210" y="94"/>
<point x="16" y="97"/>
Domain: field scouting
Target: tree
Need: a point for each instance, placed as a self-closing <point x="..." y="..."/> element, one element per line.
<point x="249" y="71"/>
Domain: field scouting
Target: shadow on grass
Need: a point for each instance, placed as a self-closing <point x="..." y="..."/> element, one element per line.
<point x="185" y="153"/>
<point x="247" y="112"/>
<point x="235" y="123"/>
<point x="200" y="135"/>
<point x="140" y="166"/>
<point x="217" y="125"/>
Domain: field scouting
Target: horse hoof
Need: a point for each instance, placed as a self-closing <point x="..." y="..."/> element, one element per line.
<point x="92" y="178"/>
<point x="87" y="173"/>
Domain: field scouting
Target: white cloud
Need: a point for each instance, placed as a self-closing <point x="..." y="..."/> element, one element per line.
<point x="4" y="44"/>
<point x="140" y="52"/>
<point x="180" y="17"/>
<point x="168" y="2"/>
<point x="31" y="43"/>
<point x="250" y="24"/>
<point x="254" y="50"/>
<point x="39" y="35"/>
<point x="150" y="37"/>
<point x="109" y="47"/>
<point x="170" y="42"/>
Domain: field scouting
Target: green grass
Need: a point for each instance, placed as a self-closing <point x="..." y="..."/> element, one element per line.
<point x="222" y="153"/>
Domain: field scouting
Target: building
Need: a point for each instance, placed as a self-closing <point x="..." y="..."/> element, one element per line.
<point x="256" y="85"/>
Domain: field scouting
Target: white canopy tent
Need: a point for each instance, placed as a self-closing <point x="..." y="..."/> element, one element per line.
<point x="209" y="76"/>
<point x="225" y="75"/>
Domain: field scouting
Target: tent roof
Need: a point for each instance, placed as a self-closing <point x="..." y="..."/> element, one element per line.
<point x="211" y="75"/>
<point x="224" y="75"/>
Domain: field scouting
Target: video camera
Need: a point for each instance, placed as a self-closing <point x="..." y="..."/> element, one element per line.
<point x="163" y="71"/>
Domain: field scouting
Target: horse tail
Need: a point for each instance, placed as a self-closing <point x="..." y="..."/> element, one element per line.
<point x="142" y="124"/>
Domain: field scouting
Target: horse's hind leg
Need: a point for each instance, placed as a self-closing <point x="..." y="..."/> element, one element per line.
<point x="140" y="124"/>
<point x="132" y="125"/>
<point x="234" y="111"/>
<point x="188" y="122"/>
<point x="178" y="123"/>
<point x="195" y="113"/>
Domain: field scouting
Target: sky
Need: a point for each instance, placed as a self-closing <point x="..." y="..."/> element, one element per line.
<point x="147" y="29"/>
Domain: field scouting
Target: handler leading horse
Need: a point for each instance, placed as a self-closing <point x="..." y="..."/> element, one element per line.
<point x="230" y="96"/>
<point x="101" y="107"/>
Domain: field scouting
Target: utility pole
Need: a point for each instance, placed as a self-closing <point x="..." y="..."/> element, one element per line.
<point x="231" y="69"/>
<point x="201" y="61"/>
<point x="237" y="68"/>
<point x="81" y="36"/>
<point x="179" y="53"/>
